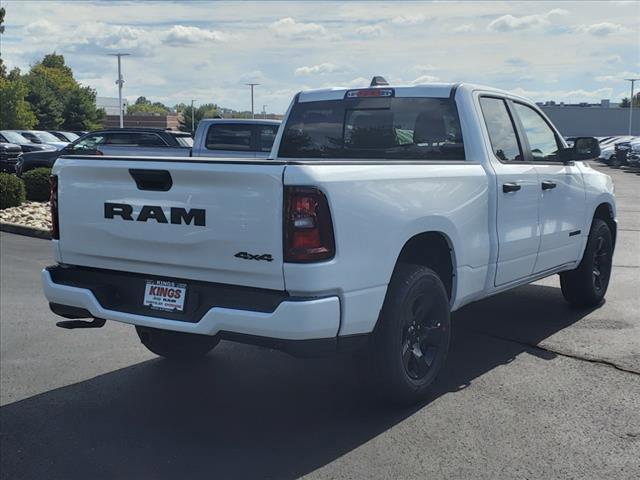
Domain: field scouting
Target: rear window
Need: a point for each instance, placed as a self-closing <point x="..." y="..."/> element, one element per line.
<point x="385" y="128"/>
<point x="229" y="137"/>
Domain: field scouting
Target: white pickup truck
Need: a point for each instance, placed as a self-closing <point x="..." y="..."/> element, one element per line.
<point x="380" y="211"/>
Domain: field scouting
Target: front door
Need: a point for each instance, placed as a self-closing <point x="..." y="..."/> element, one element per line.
<point x="517" y="196"/>
<point x="561" y="190"/>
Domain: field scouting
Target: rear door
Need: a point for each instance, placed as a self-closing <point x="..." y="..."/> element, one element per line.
<point x="201" y="220"/>
<point x="561" y="190"/>
<point x="517" y="195"/>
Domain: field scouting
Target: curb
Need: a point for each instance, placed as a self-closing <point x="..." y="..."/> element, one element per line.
<point x="24" y="230"/>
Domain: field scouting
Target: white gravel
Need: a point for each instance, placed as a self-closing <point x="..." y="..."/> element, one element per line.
<point x="29" y="214"/>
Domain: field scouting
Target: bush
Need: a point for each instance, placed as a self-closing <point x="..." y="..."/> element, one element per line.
<point x="36" y="183"/>
<point x="11" y="191"/>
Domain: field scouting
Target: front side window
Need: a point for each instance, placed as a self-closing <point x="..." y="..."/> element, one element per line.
<point x="502" y="133"/>
<point x="149" y="140"/>
<point x="267" y="134"/>
<point x="229" y="137"/>
<point x="382" y="128"/>
<point x="542" y="139"/>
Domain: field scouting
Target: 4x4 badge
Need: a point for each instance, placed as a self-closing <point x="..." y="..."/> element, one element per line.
<point x="249" y="256"/>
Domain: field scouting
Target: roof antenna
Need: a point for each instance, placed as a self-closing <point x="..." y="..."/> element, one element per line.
<point x="378" y="81"/>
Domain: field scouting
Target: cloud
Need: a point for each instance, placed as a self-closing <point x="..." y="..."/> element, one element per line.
<point x="516" y="62"/>
<point x="465" y="28"/>
<point x="316" y="69"/>
<point x="184" y="35"/>
<point x="405" y="20"/>
<point x="577" y="95"/>
<point x="618" y="77"/>
<point x="253" y="76"/>
<point x="424" y="68"/>
<point x="357" y="82"/>
<point x="93" y="37"/>
<point x="290" y="29"/>
<point x="424" y="79"/>
<point x="602" y="29"/>
<point x="509" y="23"/>
<point x="370" y="31"/>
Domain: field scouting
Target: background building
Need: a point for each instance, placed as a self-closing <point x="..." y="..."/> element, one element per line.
<point x="151" y="120"/>
<point x="589" y="119"/>
<point x="110" y="105"/>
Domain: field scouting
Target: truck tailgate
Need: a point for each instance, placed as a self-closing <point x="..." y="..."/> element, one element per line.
<point x="215" y="221"/>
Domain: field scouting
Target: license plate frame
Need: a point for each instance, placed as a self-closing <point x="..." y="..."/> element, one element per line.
<point x="165" y="296"/>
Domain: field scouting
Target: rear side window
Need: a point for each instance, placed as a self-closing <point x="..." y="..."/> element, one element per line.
<point x="131" y="139"/>
<point x="502" y="133"/>
<point x="384" y="128"/>
<point x="267" y="134"/>
<point x="184" y="140"/>
<point x="229" y="137"/>
<point x="90" y="142"/>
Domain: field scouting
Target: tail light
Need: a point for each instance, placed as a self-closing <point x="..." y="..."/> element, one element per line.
<point x="308" y="230"/>
<point x="53" y="203"/>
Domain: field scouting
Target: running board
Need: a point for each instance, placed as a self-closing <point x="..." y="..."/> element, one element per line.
<point x="71" y="324"/>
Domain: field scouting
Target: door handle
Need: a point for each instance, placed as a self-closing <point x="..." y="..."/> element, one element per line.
<point x="548" y="185"/>
<point x="154" y="180"/>
<point x="510" y="187"/>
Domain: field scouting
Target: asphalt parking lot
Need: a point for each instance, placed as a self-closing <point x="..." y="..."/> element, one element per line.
<point x="533" y="389"/>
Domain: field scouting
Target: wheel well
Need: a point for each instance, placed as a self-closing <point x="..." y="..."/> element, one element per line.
<point x="433" y="250"/>
<point x="605" y="212"/>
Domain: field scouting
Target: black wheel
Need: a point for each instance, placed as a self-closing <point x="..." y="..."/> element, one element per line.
<point x="412" y="337"/>
<point x="176" y="345"/>
<point x="587" y="285"/>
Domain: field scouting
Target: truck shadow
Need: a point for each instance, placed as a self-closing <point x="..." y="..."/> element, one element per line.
<point x="247" y="412"/>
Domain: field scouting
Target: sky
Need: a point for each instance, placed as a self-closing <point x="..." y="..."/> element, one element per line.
<point x="564" y="51"/>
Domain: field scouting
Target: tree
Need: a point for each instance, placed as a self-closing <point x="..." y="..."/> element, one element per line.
<point x="14" y="110"/>
<point x="636" y="101"/>
<point x="57" y="99"/>
<point x="208" y="110"/>
<point x="80" y="111"/>
<point x="3" y="69"/>
<point x="142" y="105"/>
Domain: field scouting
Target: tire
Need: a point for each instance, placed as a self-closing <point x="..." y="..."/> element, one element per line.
<point x="176" y="345"/>
<point x="587" y="285"/>
<point x="411" y="340"/>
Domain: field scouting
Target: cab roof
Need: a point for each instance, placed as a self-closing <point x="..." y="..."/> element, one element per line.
<point x="431" y="90"/>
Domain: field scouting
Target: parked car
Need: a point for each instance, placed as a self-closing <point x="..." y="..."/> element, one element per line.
<point x="39" y="136"/>
<point x="235" y="137"/>
<point x="9" y="136"/>
<point x="8" y="156"/>
<point x="80" y="133"/>
<point x="380" y="211"/>
<point x="608" y="148"/>
<point x="64" y="136"/>
<point x="127" y="141"/>
<point x="633" y="157"/>
<point x="214" y="137"/>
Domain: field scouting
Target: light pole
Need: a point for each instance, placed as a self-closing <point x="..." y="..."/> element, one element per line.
<point x="633" y="81"/>
<point x="264" y="111"/>
<point x="252" y="85"/>
<point x="120" y="82"/>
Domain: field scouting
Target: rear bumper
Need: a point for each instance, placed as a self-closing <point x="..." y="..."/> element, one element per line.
<point x="292" y="319"/>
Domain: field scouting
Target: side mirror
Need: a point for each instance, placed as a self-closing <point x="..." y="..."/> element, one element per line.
<point x="584" y="148"/>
